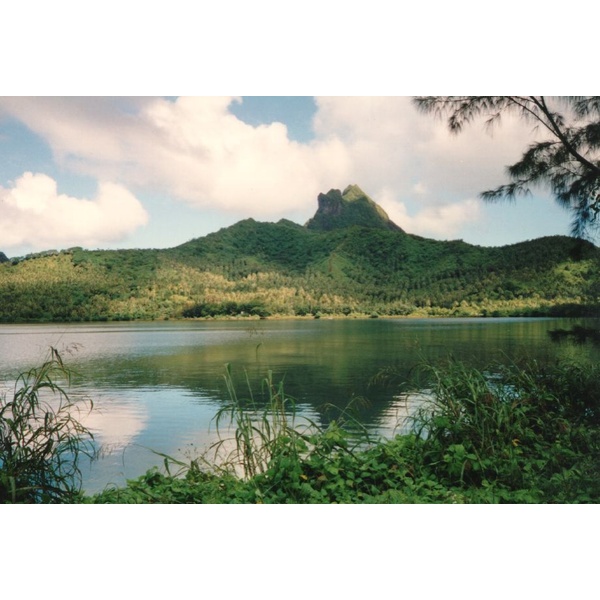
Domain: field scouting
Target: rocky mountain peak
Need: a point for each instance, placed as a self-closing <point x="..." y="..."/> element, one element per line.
<point x="352" y="207"/>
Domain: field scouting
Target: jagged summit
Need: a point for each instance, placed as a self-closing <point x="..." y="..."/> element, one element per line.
<point x="338" y="210"/>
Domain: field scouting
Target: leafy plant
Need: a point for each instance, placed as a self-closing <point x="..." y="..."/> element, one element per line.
<point x="283" y="461"/>
<point x="526" y="434"/>
<point x="194" y="486"/>
<point x="42" y="438"/>
<point x="516" y="433"/>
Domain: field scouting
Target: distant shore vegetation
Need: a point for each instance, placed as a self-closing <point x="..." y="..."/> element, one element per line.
<point x="260" y="270"/>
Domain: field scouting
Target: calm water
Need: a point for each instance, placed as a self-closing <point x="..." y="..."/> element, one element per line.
<point x="158" y="385"/>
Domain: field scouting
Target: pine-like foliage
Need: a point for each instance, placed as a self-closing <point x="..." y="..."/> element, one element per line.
<point x="567" y="159"/>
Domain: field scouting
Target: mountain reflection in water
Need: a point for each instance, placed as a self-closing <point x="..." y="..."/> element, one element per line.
<point x="157" y="386"/>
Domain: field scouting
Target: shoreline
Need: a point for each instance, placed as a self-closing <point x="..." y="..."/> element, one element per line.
<point x="246" y="319"/>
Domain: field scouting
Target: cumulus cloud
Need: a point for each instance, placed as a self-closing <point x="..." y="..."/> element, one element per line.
<point x="35" y="214"/>
<point x="195" y="150"/>
<point x="443" y="220"/>
<point x="426" y="178"/>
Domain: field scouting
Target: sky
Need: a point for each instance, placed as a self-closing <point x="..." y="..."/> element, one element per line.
<point x="155" y="172"/>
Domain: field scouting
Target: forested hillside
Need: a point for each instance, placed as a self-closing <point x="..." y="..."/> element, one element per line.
<point x="349" y="259"/>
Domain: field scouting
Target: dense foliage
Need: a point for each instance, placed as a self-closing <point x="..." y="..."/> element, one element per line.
<point x="518" y="435"/>
<point x="261" y="269"/>
<point x="525" y="434"/>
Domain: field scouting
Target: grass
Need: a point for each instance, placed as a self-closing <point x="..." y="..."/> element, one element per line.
<point x="41" y="438"/>
<point x="262" y="431"/>
<point x="516" y="434"/>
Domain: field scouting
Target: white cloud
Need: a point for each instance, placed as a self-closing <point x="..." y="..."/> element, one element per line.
<point x="195" y="150"/>
<point x="393" y="146"/>
<point x="116" y="428"/>
<point x="426" y="178"/>
<point x="36" y="215"/>
<point x="441" y="221"/>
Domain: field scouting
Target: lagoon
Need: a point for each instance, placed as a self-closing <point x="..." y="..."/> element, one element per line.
<point x="157" y="386"/>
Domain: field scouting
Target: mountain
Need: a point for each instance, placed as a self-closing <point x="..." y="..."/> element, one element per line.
<point x="349" y="259"/>
<point x="351" y="208"/>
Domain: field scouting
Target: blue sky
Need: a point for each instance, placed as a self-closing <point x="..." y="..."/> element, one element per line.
<point x="122" y="172"/>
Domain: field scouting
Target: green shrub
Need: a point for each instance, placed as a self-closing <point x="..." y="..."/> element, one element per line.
<point x="513" y="434"/>
<point x="154" y="487"/>
<point x="41" y="438"/>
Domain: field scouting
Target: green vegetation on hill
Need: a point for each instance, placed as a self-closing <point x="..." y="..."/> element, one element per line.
<point x="364" y="265"/>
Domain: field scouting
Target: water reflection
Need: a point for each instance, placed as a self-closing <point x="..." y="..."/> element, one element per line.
<point x="158" y="385"/>
<point x="115" y="425"/>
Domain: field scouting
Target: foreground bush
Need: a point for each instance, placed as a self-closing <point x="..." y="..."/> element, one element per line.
<point x="526" y="434"/>
<point x="41" y="438"/>
<point x="515" y="434"/>
<point x="506" y="435"/>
